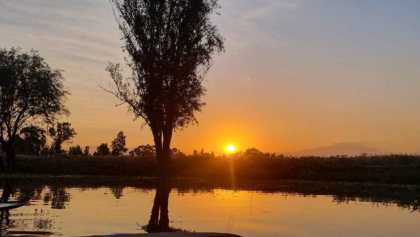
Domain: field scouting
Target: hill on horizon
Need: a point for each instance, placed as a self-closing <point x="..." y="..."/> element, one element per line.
<point x="349" y="149"/>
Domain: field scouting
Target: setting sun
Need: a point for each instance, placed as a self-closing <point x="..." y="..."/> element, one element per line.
<point x="230" y="148"/>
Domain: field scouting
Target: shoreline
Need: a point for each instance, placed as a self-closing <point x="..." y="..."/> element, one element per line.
<point x="150" y="182"/>
<point x="170" y="234"/>
<point x="382" y="170"/>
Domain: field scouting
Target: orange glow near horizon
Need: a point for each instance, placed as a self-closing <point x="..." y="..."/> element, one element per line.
<point x="312" y="103"/>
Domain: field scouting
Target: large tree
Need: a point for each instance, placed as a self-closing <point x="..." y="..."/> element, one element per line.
<point x="170" y="44"/>
<point x="29" y="90"/>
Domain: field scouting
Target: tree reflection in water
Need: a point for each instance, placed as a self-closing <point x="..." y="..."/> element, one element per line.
<point x="159" y="217"/>
<point x="28" y="224"/>
<point x="58" y="196"/>
<point x="4" y="213"/>
<point x="117" y="191"/>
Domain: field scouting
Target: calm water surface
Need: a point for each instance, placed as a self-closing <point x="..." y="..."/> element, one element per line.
<point x="83" y="211"/>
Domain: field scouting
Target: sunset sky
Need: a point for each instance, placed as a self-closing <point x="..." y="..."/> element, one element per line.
<point x="296" y="74"/>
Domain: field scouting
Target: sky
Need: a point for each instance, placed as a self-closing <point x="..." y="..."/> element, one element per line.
<point x="296" y="74"/>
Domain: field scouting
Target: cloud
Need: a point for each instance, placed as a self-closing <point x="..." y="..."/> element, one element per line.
<point x="270" y="9"/>
<point x="246" y="23"/>
<point x="62" y="28"/>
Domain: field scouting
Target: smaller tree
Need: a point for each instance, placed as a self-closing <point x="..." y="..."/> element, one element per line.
<point x="102" y="150"/>
<point x="143" y="151"/>
<point x="118" y="144"/>
<point x="86" y="151"/>
<point x="176" y="153"/>
<point x="60" y="134"/>
<point x="75" y="151"/>
<point x="253" y="153"/>
<point x="31" y="140"/>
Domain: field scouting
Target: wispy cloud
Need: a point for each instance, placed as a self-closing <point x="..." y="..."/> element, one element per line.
<point x="249" y="22"/>
<point x="270" y="9"/>
<point x="65" y="27"/>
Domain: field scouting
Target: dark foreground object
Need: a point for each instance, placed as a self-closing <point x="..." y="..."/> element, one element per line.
<point x="392" y="169"/>
<point x="10" y="205"/>
<point x="173" y="234"/>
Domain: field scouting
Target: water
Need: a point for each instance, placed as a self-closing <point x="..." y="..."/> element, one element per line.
<point x="273" y="210"/>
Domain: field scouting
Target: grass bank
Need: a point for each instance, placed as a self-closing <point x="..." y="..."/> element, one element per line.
<point x="391" y="169"/>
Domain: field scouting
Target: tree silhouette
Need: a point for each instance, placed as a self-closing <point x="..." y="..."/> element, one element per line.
<point x="31" y="140"/>
<point x="75" y="150"/>
<point x="86" y="151"/>
<point x="118" y="144"/>
<point x="58" y="196"/>
<point x="102" y="150"/>
<point x="144" y="151"/>
<point x="170" y="45"/>
<point x="61" y="133"/>
<point x="29" y="90"/>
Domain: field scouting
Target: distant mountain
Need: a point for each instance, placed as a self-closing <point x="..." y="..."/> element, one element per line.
<point x="350" y="149"/>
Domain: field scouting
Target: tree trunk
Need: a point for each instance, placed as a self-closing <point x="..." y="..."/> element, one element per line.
<point x="162" y="142"/>
<point x="7" y="192"/>
<point x="10" y="159"/>
<point x="3" y="163"/>
<point x="164" y="162"/>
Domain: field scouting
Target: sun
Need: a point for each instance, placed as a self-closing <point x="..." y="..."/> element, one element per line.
<point x="230" y="148"/>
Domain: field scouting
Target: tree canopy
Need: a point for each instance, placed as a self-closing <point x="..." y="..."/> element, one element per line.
<point x="62" y="132"/>
<point x="31" y="140"/>
<point x="118" y="144"/>
<point x="29" y="90"/>
<point x="144" y="151"/>
<point x="75" y="151"/>
<point x="102" y="150"/>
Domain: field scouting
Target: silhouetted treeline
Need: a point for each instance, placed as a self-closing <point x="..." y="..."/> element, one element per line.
<point x="399" y="169"/>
